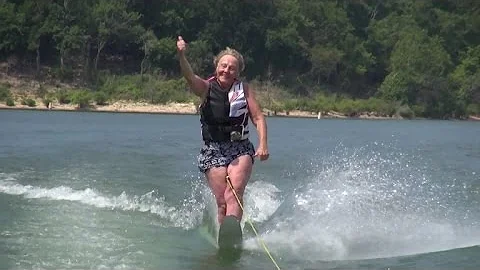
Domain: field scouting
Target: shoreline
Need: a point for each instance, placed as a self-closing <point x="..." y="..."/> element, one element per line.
<point x="18" y="86"/>
<point x="124" y="106"/>
<point x="116" y="107"/>
<point x="170" y="108"/>
<point x="189" y="109"/>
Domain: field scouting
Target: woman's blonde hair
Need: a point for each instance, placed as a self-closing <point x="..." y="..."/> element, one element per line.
<point x="232" y="52"/>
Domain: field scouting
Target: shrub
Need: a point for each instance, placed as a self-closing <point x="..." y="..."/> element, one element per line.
<point x="100" y="98"/>
<point x="305" y="104"/>
<point x="170" y="91"/>
<point x="347" y="106"/>
<point x="473" y="109"/>
<point x="290" y="105"/>
<point x="146" y="87"/>
<point x="29" y="102"/>
<point x="41" y="91"/>
<point x="275" y="107"/>
<point x="381" y="106"/>
<point x="129" y="87"/>
<point x="418" y="110"/>
<point x="406" y="112"/>
<point x="4" y="93"/>
<point x="10" y="102"/>
<point x="46" y="101"/>
<point x="81" y="98"/>
<point x="63" y="97"/>
<point x="323" y="103"/>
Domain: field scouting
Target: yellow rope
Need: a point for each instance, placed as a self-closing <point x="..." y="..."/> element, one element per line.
<point x="260" y="240"/>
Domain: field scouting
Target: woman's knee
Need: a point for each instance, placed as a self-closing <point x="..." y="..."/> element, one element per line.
<point x="233" y="196"/>
<point x="222" y="207"/>
<point x="216" y="181"/>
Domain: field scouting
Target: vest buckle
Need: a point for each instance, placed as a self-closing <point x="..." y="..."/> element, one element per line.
<point x="236" y="136"/>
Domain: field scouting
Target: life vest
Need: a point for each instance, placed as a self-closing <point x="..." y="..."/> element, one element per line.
<point x="222" y="113"/>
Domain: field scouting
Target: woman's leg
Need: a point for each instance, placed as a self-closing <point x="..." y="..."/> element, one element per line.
<point x="239" y="172"/>
<point x="216" y="180"/>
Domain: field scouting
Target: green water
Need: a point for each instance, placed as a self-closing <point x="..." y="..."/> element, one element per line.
<point x="122" y="191"/>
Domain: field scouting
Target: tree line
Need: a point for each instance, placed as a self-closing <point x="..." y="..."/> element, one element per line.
<point x="421" y="55"/>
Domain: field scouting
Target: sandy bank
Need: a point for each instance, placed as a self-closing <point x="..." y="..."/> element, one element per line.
<point x="118" y="106"/>
<point x="184" y="108"/>
<point x="170" y="108"/>
<point x="25" y="87"/>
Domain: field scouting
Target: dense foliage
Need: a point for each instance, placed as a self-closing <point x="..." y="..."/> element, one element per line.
<point x="420" y="56"/>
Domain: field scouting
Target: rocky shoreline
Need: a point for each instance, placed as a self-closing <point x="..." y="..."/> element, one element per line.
<point x="118" y="106"/>
<point x="18" y="83"/>
<point x="170" y="108"/>
<point x="185" y="109"/>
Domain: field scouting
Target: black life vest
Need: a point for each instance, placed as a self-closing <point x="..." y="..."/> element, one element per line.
<point x="224" y="112"/>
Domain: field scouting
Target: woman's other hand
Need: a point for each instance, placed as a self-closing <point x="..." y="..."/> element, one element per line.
<point x="262" y="153"/>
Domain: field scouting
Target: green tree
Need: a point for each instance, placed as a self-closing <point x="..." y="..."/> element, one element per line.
<point x="404" y="51"/>
<point x="287" y="51"/>
<point x="467" y="76"/>
<point x="418" y="65"/>
<point x="113" y="20"/>
<point x="149" y="42"/>
<point x="11" y="27"/>
<point x="68" y="33"/>
<point x="37" y="26"/>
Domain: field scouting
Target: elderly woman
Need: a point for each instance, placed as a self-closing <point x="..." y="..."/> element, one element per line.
<point x="227" y="104"/>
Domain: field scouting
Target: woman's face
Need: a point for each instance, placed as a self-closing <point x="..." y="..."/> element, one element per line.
<point x="227" y="70"/>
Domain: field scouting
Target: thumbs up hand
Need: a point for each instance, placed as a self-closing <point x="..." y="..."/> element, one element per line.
<point x="181" y="44"/>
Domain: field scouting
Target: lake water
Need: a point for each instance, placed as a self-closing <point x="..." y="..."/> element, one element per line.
<point x="83" y="190"/>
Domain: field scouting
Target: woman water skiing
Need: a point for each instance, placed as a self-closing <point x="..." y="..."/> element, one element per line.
<point x="227" y="104"/>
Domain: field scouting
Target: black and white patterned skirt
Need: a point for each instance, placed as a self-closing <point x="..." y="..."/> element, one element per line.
<point x="220" y="154"/>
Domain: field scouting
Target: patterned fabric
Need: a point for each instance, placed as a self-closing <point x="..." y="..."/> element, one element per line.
<point x="239" y="107"/>
<point x="220" y="154"/>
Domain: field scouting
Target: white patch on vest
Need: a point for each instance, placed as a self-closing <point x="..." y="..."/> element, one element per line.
<point x="238" y="102"/>
<point x="239" y="105"/>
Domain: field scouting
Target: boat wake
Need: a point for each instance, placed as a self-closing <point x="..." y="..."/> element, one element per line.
<point x="372" y="204"/>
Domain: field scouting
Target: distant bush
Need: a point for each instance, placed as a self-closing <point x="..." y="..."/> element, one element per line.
<point x="41" y="91"/>
<point x="81" y="98"/>
<point x="171" y="91"/>
<point x="348" y="107"/>
<point x="4" y="93"/>
<point x="275" y="107"/>
<point x="406" y="112"/>
<point x="63" y="97"/>
<point x="10" y="102"/>
<point x="473" y="109"/>
<point x="290" y="105"/>
<point x="46" y="101"/>
<point x="146" y="87"/>
<point x="100" y="98"/>
<point x="418" y="110"/>
<point x="128" y="87"/>
<point x="323" y="103"/>
<point x="379" y="106"/>
<point x="29" y="102"/>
